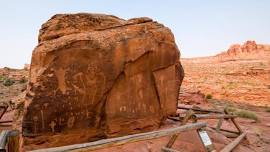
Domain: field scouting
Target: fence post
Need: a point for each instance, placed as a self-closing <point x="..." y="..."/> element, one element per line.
<point x="13" y="141"/>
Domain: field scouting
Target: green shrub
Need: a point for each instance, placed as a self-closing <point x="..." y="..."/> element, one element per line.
<point x="231" y="109"/>
<point x="246" y="114"/>
<point x="242" y="113"/>
<point x="8" y="82"/>
<point x="267" y="109"/>
<point x="209" y="96"/>
<point x="2" y="78"/>
<point x="23" y="80"/>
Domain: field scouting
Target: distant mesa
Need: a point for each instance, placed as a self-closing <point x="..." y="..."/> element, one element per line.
<point x="249" y="50"/>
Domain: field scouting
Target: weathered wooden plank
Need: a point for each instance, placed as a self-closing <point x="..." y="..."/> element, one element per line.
<point x="230" y="131"/>
<point x="13" y="141"/>
<point x="219" y="124"/>
<point x="165" y="149"/>
<point x="234" y="143"/>
<point x="213" y="116"/>
<point x="6" y="121"/>
<point x="234" y="122"/>
<point x="125" y="139"/>
<point x="174" y="118"/>
<point x="202" y="110"/>
<point x="229" y="134"/>
<point x="3" y="139"/>
<point x="185" y="120"/>
<point x="4" y="110"/>
<point x="236" y="125"/>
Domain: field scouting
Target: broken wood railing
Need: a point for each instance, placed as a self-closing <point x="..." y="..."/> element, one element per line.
<point x="211" y="114"/>
<point x="204" y="138"/>
<point x="206" y="141"/>
<point x="3" y="109"/>
<point x="200" y="110"/>
<point x="192" y="114"/>
<point x="104" y="143"/>
<point x="234" y="143"/>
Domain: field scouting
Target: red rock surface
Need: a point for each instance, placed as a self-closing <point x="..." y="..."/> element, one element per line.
<point x="189" y="97"/>
<point x="95" y="76"/>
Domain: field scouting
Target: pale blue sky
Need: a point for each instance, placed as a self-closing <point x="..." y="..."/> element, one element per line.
<point x="201" y="27"/>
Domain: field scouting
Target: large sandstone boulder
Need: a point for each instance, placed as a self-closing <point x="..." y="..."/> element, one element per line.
<point x="96" y="76"/>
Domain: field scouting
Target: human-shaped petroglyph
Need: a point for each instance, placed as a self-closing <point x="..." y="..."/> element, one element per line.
<point x="71" y="121"/>
<point x="42" y="119"/>
<point x="92" y="79"/>
<point x="35" y="119"/>
<point x="52" y="125"/>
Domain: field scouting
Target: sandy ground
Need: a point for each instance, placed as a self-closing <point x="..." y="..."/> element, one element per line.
<point x="239" y="81"/>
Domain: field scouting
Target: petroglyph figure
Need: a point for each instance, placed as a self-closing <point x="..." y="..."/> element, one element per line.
<point x="52" y="125"/>
<point x="35" y="119"/>
<point x="71" y="121"/>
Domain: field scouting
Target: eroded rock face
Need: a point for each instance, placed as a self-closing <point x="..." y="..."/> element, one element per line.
<point x="99" y="76"/>
<point x="248" y="50"/>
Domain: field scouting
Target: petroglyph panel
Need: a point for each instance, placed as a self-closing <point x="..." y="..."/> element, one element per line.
<point x="166" y="85"/>
<point x="100" y="76"/>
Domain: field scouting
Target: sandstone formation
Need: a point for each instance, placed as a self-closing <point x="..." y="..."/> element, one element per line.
<point x="249" y="50"/>
<point x="98" y="76"/>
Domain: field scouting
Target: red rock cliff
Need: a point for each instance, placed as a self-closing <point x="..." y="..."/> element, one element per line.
<point x="248" y="50"/>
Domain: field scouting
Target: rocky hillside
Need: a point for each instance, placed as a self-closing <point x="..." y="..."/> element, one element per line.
<point x="241" y="74"/>
<point x="12" y="84"/>
<point x="249" y="50"/>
